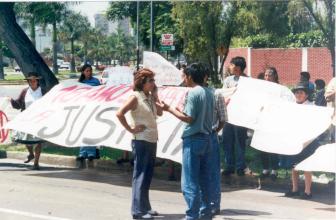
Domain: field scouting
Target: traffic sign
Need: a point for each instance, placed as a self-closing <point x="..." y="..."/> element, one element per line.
<point x="167" y="39"/>
<point x="167" y="48"/>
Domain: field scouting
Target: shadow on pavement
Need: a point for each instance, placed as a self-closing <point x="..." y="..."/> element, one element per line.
<point x="240" y="212"/>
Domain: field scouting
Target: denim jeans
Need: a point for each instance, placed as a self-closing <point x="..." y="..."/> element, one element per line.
<point x="215" y="183"/>
<point x="144" y="159"/>
<point x="87" y="152"/>
<point x="234" y="135"/>
<point x="196" y="175"/>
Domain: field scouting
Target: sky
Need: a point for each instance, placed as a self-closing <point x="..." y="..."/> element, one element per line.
<point x="89" y="9"/>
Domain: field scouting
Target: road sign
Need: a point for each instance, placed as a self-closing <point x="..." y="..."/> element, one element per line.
<point x="167" y="39"/>
<point x="167" y="48"/>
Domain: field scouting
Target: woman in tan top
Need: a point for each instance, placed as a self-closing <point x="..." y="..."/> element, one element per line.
<point x="143" y="111"/>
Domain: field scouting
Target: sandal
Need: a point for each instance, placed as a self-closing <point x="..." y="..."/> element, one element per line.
<point x="29" y="158"/>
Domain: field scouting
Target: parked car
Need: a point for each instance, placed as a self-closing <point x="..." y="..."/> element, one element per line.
<point x="17" y="69"/>
<point x="65" y="66"/>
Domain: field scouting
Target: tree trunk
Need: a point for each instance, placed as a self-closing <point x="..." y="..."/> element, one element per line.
<point x="54" y="44"/>
<point x="32" y="31"/>
<point x="2" y="75"/>
<point x="22" y="48"/>
<point x="72" y="63"/>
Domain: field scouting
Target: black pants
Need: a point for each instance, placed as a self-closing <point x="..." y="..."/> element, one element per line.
<point x="144" y="160"/>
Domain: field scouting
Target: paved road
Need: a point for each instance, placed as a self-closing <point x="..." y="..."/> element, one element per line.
<point x="59" y="193"/>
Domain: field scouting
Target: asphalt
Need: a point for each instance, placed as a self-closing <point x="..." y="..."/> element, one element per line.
<point x="252" y="180"/>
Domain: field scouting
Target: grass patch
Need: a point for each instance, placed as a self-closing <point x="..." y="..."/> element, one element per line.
<point x="106" y="153"/>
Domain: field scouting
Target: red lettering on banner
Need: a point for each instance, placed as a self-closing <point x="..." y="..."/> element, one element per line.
<point x="90" y="95"/>
<point x="42" y="116"/>
<point x="3" y="132"/>
<point x="110" y="93"/>
<point x="73" y="95"/>
<point x="63" y="92"/>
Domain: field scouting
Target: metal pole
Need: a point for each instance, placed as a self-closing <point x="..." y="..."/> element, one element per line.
<point x="151" y="26"/>
<point x="137" y="38"/>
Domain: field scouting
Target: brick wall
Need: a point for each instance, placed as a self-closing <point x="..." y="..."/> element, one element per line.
<point x="288" y="62"/>
<point x="319" y="64"/>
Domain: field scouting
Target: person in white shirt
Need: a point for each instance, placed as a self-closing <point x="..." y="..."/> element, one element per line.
<point x="25" y="99"/>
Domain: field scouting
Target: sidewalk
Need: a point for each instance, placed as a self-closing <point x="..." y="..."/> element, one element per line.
<point x="161" y="172"/>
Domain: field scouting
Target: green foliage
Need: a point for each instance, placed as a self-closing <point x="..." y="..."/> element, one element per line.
<point x="309" y="39"/>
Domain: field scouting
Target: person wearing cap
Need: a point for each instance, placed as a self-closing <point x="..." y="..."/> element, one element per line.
<point x="26" y="98"/>
<point x="301" y="92"/>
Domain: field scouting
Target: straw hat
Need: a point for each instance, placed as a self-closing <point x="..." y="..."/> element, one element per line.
<point x="33" y="75"/>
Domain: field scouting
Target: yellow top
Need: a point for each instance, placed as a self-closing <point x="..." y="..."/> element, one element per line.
<point x="145" y="114"/>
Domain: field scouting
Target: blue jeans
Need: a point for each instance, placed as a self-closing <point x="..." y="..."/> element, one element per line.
<point x="196" y="175"/>
<point x="234" y="135"/>
<point x="144" y="160"/>
<point x="215" y="183"/>
<point x="86" y="152"/>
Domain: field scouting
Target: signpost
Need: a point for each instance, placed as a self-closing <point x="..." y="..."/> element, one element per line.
<point x="167" y="43"/>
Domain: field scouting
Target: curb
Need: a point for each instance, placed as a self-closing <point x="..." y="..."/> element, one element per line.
<point x="161" y="172"/>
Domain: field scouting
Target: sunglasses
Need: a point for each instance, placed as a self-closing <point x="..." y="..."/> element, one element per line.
<point x="150" y="80"/>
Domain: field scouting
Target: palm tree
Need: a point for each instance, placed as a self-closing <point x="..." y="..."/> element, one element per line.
<point x="73" y="27"/>
<point x="53" y="13"/>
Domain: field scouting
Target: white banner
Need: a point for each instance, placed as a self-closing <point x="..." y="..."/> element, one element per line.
<point x="79" y="115"/>
<point x="280" y="125"/>
<point x="250" y="98"/>
<point x="119" y="75"/>
<point x="165" y="72"/>
<point x="7" y="113"/>
<point x="324" y="159"/>
<point x="286" y="128"/>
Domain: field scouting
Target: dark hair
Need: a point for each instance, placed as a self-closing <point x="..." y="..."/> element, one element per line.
<point x="38" y="77"/>
<point x="304" y="76"/>
<point x="274" y="73"/>
<point x="140" y="78"/>
<point x="239" y="61"/>
<point x="196" y="71"/>
<point x="261" y="75"/>
<point x="84" y="67"/>
<point x="320" y="84"/>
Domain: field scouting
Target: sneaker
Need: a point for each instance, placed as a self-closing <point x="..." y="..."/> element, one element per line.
<point x="153" y="213"/>
<point x="227" y="172"/>
<point x="306" y="196"/>
<point x="290" y="193"/>
<point x="146" y="216"/>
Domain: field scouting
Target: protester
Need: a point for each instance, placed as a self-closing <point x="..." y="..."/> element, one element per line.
<point x="330" y="98"/>
<point x="320" y="91"/>
<point x="196" y="154"/>
<point x="270" y="160"/>
<point x="305" y="77"/>
<point x="301" y="92"/>
<point x="143" y="126"/>
<point x="25" y="99"/>
<point x="88" y="152"/>
<point x="233" y="134"/>
<point x="219" y="118"/>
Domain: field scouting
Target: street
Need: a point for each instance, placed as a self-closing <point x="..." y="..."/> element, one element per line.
<point x="59" y="193"/>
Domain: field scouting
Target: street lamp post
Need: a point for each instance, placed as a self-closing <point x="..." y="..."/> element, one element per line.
<point x="137" y="37"/>
<point x="151" y="26"/>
